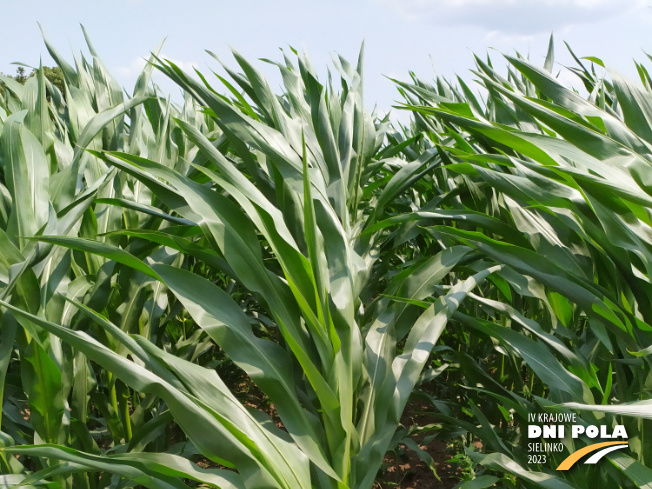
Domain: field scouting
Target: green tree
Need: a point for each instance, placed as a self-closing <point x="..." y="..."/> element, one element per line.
<point x="21" y="77"/>
<point x="54" y="75"/>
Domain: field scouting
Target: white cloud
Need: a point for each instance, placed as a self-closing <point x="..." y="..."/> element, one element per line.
<point x="133" y="69"/>
<point x="526" y="17"/>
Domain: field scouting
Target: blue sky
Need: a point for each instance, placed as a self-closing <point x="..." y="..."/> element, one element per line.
<point x="425" y="36"/>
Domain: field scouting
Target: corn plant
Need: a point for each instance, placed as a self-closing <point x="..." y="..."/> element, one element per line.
<point x="568" y="324"/>
<point x="285" y="199"/>
<point x="52" y="185"/>
<point x="150" y="249"/>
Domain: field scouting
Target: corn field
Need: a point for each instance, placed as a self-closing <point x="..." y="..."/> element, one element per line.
<point x="245" y="289"/>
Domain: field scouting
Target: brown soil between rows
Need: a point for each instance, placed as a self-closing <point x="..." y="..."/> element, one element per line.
<point x="409" y="471"/>
<point x="412" y="473"/>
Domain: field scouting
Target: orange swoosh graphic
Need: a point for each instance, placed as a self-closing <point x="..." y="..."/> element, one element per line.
<point x="575" y="456"/>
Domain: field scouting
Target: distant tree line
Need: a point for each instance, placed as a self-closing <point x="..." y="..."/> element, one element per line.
<point x="54" y="75"/>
